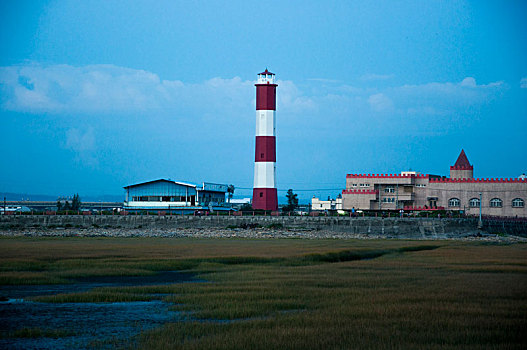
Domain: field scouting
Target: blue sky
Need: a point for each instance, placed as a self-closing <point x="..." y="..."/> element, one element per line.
<point x="97" y="95"/>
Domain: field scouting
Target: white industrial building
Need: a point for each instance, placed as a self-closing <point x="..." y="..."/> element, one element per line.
<point x="330" y="204"/>
<point x="175" y="197"/>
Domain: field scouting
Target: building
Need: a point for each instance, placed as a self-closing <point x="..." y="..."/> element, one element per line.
<point x="330" y="204"/>
<point x="175" y="197"/>
<point x="238" y="203"/>
<point x="264" y="191"/>
<point x="459" y="192"/>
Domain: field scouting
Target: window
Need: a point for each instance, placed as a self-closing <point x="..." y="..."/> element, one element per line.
<point x="261" y="194"/>
<point x="420" y="185"/>
<point x="261" y="155"/>
<point x="474" y="203"/>
<point x="496" y="203"/>
<point x="364" y="185"/>
<point x="354" y="185"/>
<point x="518" y="203"/>
<point x="389" y="190"/>
<point x="454" y="202"/>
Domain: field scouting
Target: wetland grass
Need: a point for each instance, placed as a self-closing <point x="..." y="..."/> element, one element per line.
<point x="293" y="294"/>
<point x="36" y="332"/>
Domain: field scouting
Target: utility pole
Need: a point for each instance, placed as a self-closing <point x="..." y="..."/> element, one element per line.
<point x="397" y="197"/>
<point x="380" y="188"/>
<point x="480" y="222"/>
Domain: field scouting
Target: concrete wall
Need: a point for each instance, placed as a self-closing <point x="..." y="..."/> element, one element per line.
<point x="391" y="227"/>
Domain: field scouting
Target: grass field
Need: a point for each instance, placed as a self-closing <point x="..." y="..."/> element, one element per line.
<point x="294" y="294"/>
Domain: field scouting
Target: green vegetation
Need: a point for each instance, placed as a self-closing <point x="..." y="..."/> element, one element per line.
<point x="35" y="333"/>
<point x="74" y="206"/>
<point x="293" y="294"/>
<point x="292" y="201"/>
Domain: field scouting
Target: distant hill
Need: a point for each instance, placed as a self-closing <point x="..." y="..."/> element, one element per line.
<point x="46" y="197"/>
<point x="26" y="196"/>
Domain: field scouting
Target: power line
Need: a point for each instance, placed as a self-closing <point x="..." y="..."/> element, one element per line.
<point x="303" y="190"/>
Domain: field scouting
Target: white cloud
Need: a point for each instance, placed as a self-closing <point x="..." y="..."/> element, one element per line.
<point x="373" y="77"/>
<point x="36" y="88"/>
<point x="291" y="100"/>
<point x="523" y="83"/>
<point x="324" y="80"/>
<point x="446" y="97"/>
<point x="380" y="103"/>
<point x="469" y="82"/>
<point x="107" y="90"/>
<point x="82" y="142"/>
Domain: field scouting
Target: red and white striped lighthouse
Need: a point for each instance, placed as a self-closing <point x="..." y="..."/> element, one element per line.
<point x="264" y="190"/>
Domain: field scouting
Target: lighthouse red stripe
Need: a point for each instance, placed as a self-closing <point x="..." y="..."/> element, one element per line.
<point x="266" y="96"/>
<point x="265" y="149"/>
<point x="265" y="198"/>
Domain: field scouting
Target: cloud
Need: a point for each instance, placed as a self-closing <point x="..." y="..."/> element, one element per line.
<point x="109" y="90"/>
<point x="36" y="88"/>
<point x="82" y="142"/>
<point x="373" y="77"/>
<point x="291" y="100"/>
<point x="380" y="103"/>
<point x="523" y="83"/>
<point x="448" y="97"/>
<point x="469" y="82"/>
<point x="323" y="80"/>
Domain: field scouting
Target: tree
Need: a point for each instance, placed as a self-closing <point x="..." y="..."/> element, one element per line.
<point x="246" y="207"/>
<point x="76" y="202"/>
<point x="59" y="205"/>
<point x="230" y="191"/>
<point x="292" y="201"/>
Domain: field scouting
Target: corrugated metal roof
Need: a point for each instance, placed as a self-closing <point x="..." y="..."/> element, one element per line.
<point x="161" y="180"/>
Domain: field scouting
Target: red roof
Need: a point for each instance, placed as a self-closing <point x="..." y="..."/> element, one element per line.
<point x="266" y="72"/>
<point x="462" y="160"/>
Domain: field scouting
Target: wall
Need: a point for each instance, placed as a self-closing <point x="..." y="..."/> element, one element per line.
<point x="405" y="228"/>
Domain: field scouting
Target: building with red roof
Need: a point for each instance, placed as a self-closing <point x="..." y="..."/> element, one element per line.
<point x="412" y="191"/>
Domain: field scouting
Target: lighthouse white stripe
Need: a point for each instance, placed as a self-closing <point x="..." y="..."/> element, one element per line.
<point x="265" y="122"/>
<point x="264" y="174"/>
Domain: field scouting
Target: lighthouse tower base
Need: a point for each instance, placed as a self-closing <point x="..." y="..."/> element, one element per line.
<point x="265" y="199"/>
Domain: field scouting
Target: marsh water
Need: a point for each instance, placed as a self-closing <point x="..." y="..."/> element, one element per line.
<point x="83" y="325"/>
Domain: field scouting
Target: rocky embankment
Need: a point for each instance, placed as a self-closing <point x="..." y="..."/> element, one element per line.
<point x="251" y="233"/>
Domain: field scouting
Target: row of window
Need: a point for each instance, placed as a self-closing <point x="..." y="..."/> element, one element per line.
<point x="162" y="198"/>
<point x="387" y="189"/>
<point x="494" y="203"/>
<point x="388" y="200"/>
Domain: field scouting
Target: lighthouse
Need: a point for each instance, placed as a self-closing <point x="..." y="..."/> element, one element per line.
<point x="264" y="190"/>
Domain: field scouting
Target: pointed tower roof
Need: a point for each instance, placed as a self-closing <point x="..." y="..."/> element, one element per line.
<point x="266" y="72"/>
<point x="462" y="162"/>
